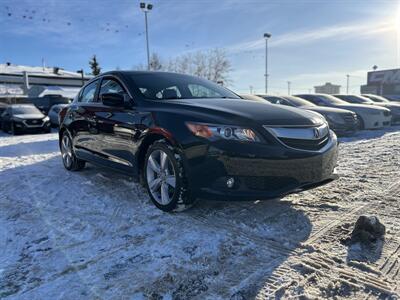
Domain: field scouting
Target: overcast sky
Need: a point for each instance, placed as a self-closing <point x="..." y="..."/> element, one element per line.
<point x="312" y="42"/>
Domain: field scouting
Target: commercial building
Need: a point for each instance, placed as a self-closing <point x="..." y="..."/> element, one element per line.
<point x="383" y="82"/>
<point x="327" y="88"/>
<point x="18" y="81"/>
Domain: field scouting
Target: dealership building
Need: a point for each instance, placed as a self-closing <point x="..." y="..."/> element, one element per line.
<point x="383" y="82"/>
<point x="18" y="81"/>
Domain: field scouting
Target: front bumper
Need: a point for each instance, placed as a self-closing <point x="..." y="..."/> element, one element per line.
<point x="24" y="127"/>
<point x="260" y="171"/>
<point x="344" y="129"/>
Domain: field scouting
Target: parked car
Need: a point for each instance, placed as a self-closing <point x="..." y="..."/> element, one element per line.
<point x="369" y="116"/>
<point x="393" y="107"/>
<point x="377" y="98"/>
<point x="24" y="118"/>
<point x="189" y="138"/>
<point x="3" y="107"/>
<point x="53" y="114"/>
<point x="46" y="102"/>
<point x="341" y="121"/>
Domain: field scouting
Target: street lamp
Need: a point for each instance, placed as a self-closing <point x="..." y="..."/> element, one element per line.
<point x="266" y="36"/>
<point x="146" y="7"/>
<point x="82" y="76"/>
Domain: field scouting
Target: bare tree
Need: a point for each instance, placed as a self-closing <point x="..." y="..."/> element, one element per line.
<point x="155" y="62"/>
<point x="212" y="65"/>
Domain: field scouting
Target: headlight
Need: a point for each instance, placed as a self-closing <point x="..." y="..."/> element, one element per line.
<point x="46" y="119"/>
<point x="17" y="119"/>
<point x="227" y="132"/>
<point x="334" y="118"/>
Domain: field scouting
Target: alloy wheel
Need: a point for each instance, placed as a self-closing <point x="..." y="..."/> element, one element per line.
<point x="161" y="177"/>
<point x="66" y="151"/>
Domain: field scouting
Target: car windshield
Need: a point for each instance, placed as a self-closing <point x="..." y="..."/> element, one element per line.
<point x="24" y="110"/>
<point x="355" y="99"/>
<point x="168" y="86"/>
<point x="296" y="101"/>
<point x="377" y="98"/>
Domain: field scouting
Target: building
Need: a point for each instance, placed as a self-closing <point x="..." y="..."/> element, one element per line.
<point x="24" y="81"/>
<point x="383" y="82"/>
<point x="327" y="88"/>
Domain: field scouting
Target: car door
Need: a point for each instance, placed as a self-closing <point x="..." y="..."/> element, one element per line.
<point x="117" y="127"/>
<point x="84" y="125"/>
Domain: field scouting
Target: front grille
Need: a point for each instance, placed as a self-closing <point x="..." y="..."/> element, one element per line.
<point x="311" y="145"/>
<point x="34" y="122"/>
<point x="268" y="182"/>
<point x="350" y="119"/>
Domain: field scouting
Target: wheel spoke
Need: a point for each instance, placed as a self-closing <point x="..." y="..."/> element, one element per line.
<point x="154" y="165"/>
<point x="155" y="184"/>
<point x="170" y="179"/>
<point x="163" y="161"/>
<point x="164" y="193"/>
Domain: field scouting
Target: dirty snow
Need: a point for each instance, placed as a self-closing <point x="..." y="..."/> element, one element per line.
<point x="94" y="234"/>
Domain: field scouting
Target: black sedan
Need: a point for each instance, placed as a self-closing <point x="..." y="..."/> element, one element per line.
<point x="24" y="118"/>
<point x="341" y="121"/>
<point x="187" y="138"/>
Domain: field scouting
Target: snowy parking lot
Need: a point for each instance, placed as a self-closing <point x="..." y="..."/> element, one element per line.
<point x="95" y="235"/>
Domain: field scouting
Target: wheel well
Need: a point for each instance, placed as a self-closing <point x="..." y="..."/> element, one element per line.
<point x="147" y="142"/>
<point x="60" y="134"/>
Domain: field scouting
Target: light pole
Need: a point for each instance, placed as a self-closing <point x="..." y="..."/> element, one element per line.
<point x="288" y="87"/>
<point x="347" y="84"/>
<point x="82" y="76"/>
<point x="146" y="7"/>
<point x="266" y="36"/>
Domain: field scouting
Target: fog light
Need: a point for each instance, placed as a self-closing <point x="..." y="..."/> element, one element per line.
<point x="230" y="182"/>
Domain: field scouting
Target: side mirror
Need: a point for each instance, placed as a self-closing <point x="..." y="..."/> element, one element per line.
<point x="113" y="99"/>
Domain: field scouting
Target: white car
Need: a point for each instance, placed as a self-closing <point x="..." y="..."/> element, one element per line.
<point x="369" y="116"/>
<point x="53" y="114"/>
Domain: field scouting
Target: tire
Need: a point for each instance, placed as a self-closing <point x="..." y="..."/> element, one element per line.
<point x="163" y="163"/>
<point x="70" y="161"/>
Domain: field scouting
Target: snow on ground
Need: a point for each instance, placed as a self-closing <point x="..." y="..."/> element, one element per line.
<point x="94" y="234"/>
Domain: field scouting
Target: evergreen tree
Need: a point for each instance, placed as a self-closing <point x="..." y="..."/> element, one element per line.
<point x="94" y="65"/>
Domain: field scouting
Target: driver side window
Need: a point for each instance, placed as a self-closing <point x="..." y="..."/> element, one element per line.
<point x="111" y="86"/>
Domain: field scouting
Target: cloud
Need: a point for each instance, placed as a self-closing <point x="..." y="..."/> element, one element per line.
<point x="342" y="32"/>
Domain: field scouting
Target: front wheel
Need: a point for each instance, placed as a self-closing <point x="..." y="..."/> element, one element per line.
<point x="70" y="161"/>
<point x="165" y="178"/>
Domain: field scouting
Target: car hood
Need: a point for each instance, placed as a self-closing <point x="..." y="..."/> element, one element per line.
<point x="240" y="111"/>
<point x="29" y="116"/>
<point x="326" y="110"/>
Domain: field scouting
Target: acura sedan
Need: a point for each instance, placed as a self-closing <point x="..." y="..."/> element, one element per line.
<point x="341" y="121"/>
<point x="369" y="116"/>
<point x="24" y="118"/>
<point x="393" y="107"/>
<point x="186" y="138"/>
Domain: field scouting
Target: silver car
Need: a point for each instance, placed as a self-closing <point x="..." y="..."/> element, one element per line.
<point x="53" y="114"/>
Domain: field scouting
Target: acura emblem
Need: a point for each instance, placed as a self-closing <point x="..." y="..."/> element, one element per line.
<point x="316" y="133"/>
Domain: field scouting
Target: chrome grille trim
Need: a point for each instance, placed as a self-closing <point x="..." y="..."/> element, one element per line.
<point x="301" y="133"/>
